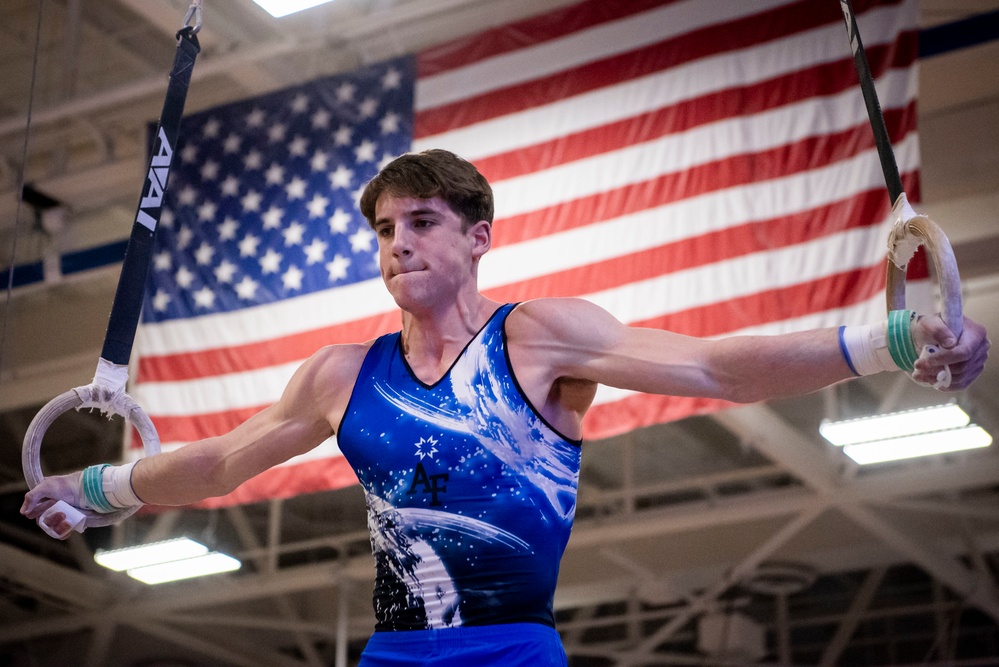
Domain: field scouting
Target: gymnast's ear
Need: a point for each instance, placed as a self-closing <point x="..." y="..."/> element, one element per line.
<point x="482" y="238"/>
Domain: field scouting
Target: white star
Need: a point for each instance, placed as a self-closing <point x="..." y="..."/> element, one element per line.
<point x="230" y="186"/>
<point x="293" y="234"/>
<point x="255" y="118"/>
<point x="315" y="252"/>
<point x="321" y="119"/>
<point x="247" y="288"/>
<point x="211" y="128"/>
<point x="298" y="146"/>
<point x="206" y="211"/>
<point x="339" y="221"/>
<point x="392" y="79"/>
<point x="365" y="152"/>
<point x="162" y="261"/>
<point x="225" y="271"/>
<point x="338" y="268"/>
<point x="187" y="195"/>
<point x="183" y="277"/>
<point x="161" y="300"/>
<point x="251" y="202"/>
<point x="390" y="123"/>
<point x="184" y="237"/>
<point x="227" y="230"/>
<point x="342" y="136"/>
<point x="253" y="160"/>
<point x="248" y="246"/>
<point x="361" y="240"/>
<point x="345" y="92"/>
<point x="342" y="177"/>
<point x="426" y="448"/>
<point x="189" y="154"/>
<point x="204" y="297"/>
<point x="292" y="278"/>
<point x="386" y="159"/>
<point x="210" y="170"/>
<point x="277" y="132"/>
<point x="272" y="218"/>
<point x="296" y="189"/>
<point x="232" y="143"/>
<point x="368" y="107"/>
<point x="300" y="103"/>
<point x="204" y="254"/>
<point x="317" y="207"/>
<point x="166" y="218"/>
<point x="274" y="174"/>
<point x="270" y="262"/>
<point x="319" y="161"/>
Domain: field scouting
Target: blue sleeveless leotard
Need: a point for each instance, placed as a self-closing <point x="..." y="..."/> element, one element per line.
<point x="470" y="493"/>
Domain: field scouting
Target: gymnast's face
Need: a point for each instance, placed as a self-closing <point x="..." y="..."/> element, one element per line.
<point x="426" y="259"/>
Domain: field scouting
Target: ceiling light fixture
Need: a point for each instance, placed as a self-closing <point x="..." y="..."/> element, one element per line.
<point x="171" y="560"/>
<point x="908" y="434"/>
<point x="279" y="8"/>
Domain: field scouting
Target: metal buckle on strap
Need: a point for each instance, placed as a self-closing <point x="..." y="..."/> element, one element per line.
<point x="194" y="11"/>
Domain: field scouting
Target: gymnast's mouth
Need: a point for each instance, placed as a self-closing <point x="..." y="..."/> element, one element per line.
<point x="406" y="271"/>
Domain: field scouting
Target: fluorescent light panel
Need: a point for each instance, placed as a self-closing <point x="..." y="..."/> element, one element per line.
<point x="170" y="560"/>
<point x="920" y="444"/>
<point x="908" y="434"/>
<point x="894" y="425"/>
<point x="279" y="8"/>
<point x="149" y="554"/>
<point x="187" y="568"/>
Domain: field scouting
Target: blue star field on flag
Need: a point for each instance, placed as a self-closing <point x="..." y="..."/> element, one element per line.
<point x="262" y="199"/>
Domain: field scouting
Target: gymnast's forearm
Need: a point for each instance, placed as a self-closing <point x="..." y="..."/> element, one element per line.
<point x="759" y="368"/>
<point x="215" y="466"/>
<point x="183" y="476"/>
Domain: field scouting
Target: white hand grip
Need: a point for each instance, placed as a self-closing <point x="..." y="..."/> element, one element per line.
<point x="76" y="519"/>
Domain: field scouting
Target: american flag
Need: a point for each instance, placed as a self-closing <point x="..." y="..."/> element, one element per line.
<point x="703" y="166"/>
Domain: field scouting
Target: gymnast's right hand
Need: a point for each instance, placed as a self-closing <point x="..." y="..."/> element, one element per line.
<point x="62" y="495"/>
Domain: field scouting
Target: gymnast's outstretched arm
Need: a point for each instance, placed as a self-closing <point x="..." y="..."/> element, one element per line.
<point x="306" y="414"/>
<point x="576" y="339"/>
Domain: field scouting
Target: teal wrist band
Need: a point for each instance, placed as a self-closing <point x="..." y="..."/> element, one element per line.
<point x="900" y="343"/>
<point x="93" y="488"/>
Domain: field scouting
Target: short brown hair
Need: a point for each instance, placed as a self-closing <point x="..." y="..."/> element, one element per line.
<point x="433" y="173"/>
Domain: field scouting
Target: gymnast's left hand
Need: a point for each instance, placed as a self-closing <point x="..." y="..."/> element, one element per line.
<point x="965" y="356"/>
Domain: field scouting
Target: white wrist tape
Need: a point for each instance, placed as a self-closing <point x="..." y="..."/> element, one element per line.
<point x="116" y="481"/>
<point x="866" y="348"/>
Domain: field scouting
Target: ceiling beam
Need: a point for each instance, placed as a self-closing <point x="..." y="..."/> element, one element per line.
<point x="252" y="656"/>
<point x="704" y="601"/>
<point x="52" y="580"/>
<point x="766" y="431"/>
<point x="963" y="583"/>
<point x="861" y="602"/>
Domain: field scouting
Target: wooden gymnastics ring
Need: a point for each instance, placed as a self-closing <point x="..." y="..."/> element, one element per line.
<point x="910" y="231"/>
<point x="80" y="397"/>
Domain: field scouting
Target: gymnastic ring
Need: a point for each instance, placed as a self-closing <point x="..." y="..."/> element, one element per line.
<point x="74" y="399"/>
<point x="928" y="233"/>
